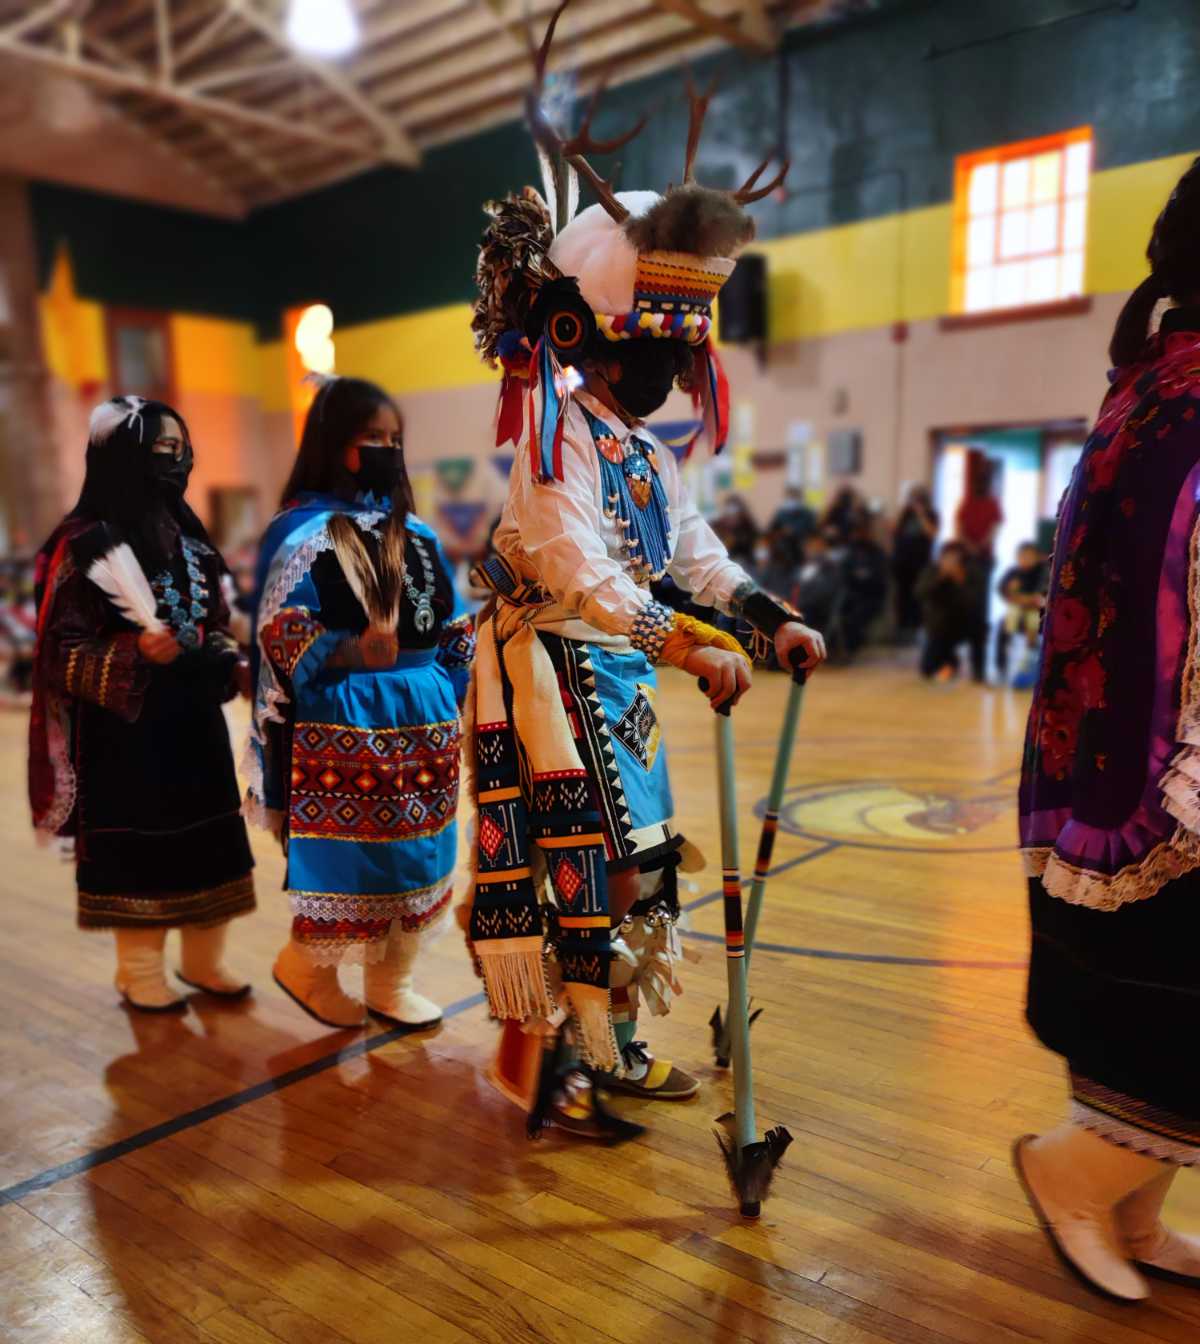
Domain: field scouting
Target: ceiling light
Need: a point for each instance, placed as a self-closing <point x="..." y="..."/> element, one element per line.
<point x="322" y="27"/>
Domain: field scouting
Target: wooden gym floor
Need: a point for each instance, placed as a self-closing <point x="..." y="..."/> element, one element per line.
<point x="244" y="1175"/>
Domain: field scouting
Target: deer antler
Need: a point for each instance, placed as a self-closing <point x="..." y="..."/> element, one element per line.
<point x="747" y="193"/>
<point x="697" y="111"/>
<point x="581" y="143"/>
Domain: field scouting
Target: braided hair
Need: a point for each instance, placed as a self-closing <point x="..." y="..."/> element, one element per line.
<point x="1174" y="256"/>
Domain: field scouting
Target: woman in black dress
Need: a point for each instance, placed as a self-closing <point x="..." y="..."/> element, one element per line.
<point x="129" y="750"/>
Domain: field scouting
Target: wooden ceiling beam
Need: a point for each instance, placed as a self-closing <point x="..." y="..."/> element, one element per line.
<point x="396" y="144"/>
<point x="747" y="35"/>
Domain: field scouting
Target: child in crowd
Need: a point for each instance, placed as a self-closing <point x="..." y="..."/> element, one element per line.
<point x="949" y="598"/>
<point x="1023" y="588"/>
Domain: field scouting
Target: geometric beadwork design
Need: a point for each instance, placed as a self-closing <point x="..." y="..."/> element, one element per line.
<point x="373" y="784"/>
<point x="638" y="728"/>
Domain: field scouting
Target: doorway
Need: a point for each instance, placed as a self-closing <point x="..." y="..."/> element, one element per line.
<point x="1031" y="468"/>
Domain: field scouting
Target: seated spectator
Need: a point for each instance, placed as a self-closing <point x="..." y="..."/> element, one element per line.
<point x="735" y="525"/>
<point x="775" y="564"/>
<point x="949" y="597"/>
<point x="866" y="568"/>
<point x="820" y="586"/>
<point x="1023" y="588"/>
<point x="796" y="520"/>
<point x="846" y="514"/>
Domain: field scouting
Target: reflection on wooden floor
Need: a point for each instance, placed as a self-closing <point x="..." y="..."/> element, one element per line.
<point x="390" y="1195"/>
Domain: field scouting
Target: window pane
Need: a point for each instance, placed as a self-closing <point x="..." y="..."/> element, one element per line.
<point x="1074" y="225"/>
<point x="1079" y="161"/>
<point x="1010" y="284"/>
<point x="1043" y="280"/>
<point x="1047" y="172"/>
<point x="1043" y="229"/>
<point x="981" y="195"/>
<point x="1014" y="233"/>
<point x="1014" y="189"/>
<point x="981" y="241"/>
<point x="981" y="290"/>
<point x="1071" y="281"/>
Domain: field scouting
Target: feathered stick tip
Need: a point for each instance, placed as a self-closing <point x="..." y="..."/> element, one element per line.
<point x="751" y="1169"/>
<point x="107" y="418"/>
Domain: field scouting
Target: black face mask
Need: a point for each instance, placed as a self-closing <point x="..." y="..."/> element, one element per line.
<point x="647" y="375"/>
<point x="168" y="476"/>
<point x="379" y="469"/>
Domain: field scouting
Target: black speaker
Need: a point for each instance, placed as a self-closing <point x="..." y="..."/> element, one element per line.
<point x="742" y="311"/>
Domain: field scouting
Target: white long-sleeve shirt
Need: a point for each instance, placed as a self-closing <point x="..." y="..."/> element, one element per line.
<point x="557" y="532"/>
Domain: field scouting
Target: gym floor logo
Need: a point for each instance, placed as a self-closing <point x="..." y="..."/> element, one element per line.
<point x="934" y="817"/>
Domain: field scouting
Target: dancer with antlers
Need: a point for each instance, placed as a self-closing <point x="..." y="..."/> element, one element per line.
<point x="363" y="654"/>
<point x="595" y="317"/>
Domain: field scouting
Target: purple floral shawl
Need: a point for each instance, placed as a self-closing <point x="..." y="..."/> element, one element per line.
<point x="1110" y="787"/>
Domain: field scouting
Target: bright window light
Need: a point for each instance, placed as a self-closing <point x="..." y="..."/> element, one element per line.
<point x="314" y="338"/>
<point x="1020" y="220"/>
<point x="322" y="27"/>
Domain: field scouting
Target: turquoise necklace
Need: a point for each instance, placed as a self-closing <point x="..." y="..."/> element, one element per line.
<point x="634" y="499"/>
<point x="184" y="614"/>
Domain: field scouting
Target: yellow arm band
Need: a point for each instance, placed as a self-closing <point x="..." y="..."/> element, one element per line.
<point x="688" y="633"/>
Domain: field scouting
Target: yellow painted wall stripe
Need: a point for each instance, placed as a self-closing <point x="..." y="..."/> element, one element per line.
<point x="867" y="274"/>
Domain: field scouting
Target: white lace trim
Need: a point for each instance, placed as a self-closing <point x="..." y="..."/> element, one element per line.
<point x="1126" y="1135"/>
<point x="269" y="694"/>
<point x="332" y="907"/>
<point x="1138" y="882"/>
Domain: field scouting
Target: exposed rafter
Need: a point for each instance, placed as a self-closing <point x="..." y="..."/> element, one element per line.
<point x="220" y="86"/>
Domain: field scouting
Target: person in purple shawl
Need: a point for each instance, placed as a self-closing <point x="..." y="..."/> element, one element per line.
<point x="1110" y="798"/>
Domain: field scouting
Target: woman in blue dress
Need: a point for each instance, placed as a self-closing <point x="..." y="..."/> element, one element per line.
<point x="363" y="650"/>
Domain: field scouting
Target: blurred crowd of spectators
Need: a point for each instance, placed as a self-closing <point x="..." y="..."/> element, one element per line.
<point x="854" y="574"/>
<point x="861" y="577"/>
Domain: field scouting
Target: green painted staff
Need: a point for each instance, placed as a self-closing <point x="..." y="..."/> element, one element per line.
<point x="750" y="1162"/>
<point x="766" y="845"/>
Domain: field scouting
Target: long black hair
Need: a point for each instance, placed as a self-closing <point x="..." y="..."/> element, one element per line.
<point x="117" y="487"/>
<point x="341" y="410"/>
<point x="1174" y="256"/>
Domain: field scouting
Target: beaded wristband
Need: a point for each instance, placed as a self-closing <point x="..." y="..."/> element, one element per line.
<point x="651" y="626"/>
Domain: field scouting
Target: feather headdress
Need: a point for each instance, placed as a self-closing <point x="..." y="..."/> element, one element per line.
<point x="110" y="415"/>
<point x="377" y="590"/>
<point x="512" y="266"/>
<point x="112" y="566"/>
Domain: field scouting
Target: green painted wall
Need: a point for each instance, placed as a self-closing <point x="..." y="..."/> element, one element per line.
<point x="872" y="114"/>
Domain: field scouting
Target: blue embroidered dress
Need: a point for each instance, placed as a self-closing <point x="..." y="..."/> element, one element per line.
<point x="361" y="764"/>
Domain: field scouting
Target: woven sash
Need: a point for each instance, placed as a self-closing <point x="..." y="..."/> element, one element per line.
<point x="531" y="788"/>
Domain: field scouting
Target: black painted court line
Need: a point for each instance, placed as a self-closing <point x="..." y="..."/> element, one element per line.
<point x="879" y="958"/>
<point x="222" y="1106"/>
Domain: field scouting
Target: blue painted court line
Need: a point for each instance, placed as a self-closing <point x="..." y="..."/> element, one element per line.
<point x="828" y="954"/>
<point x="222" y="1106"/>
<point x="879" y="958"/>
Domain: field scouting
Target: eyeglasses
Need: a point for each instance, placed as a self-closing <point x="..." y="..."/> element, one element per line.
<point x="175" y="448"/>
<point x="376" y="438"/>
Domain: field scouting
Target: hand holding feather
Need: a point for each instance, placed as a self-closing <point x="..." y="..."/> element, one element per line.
<point x="112" y="566"/>
<point x="158" y="646"/>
